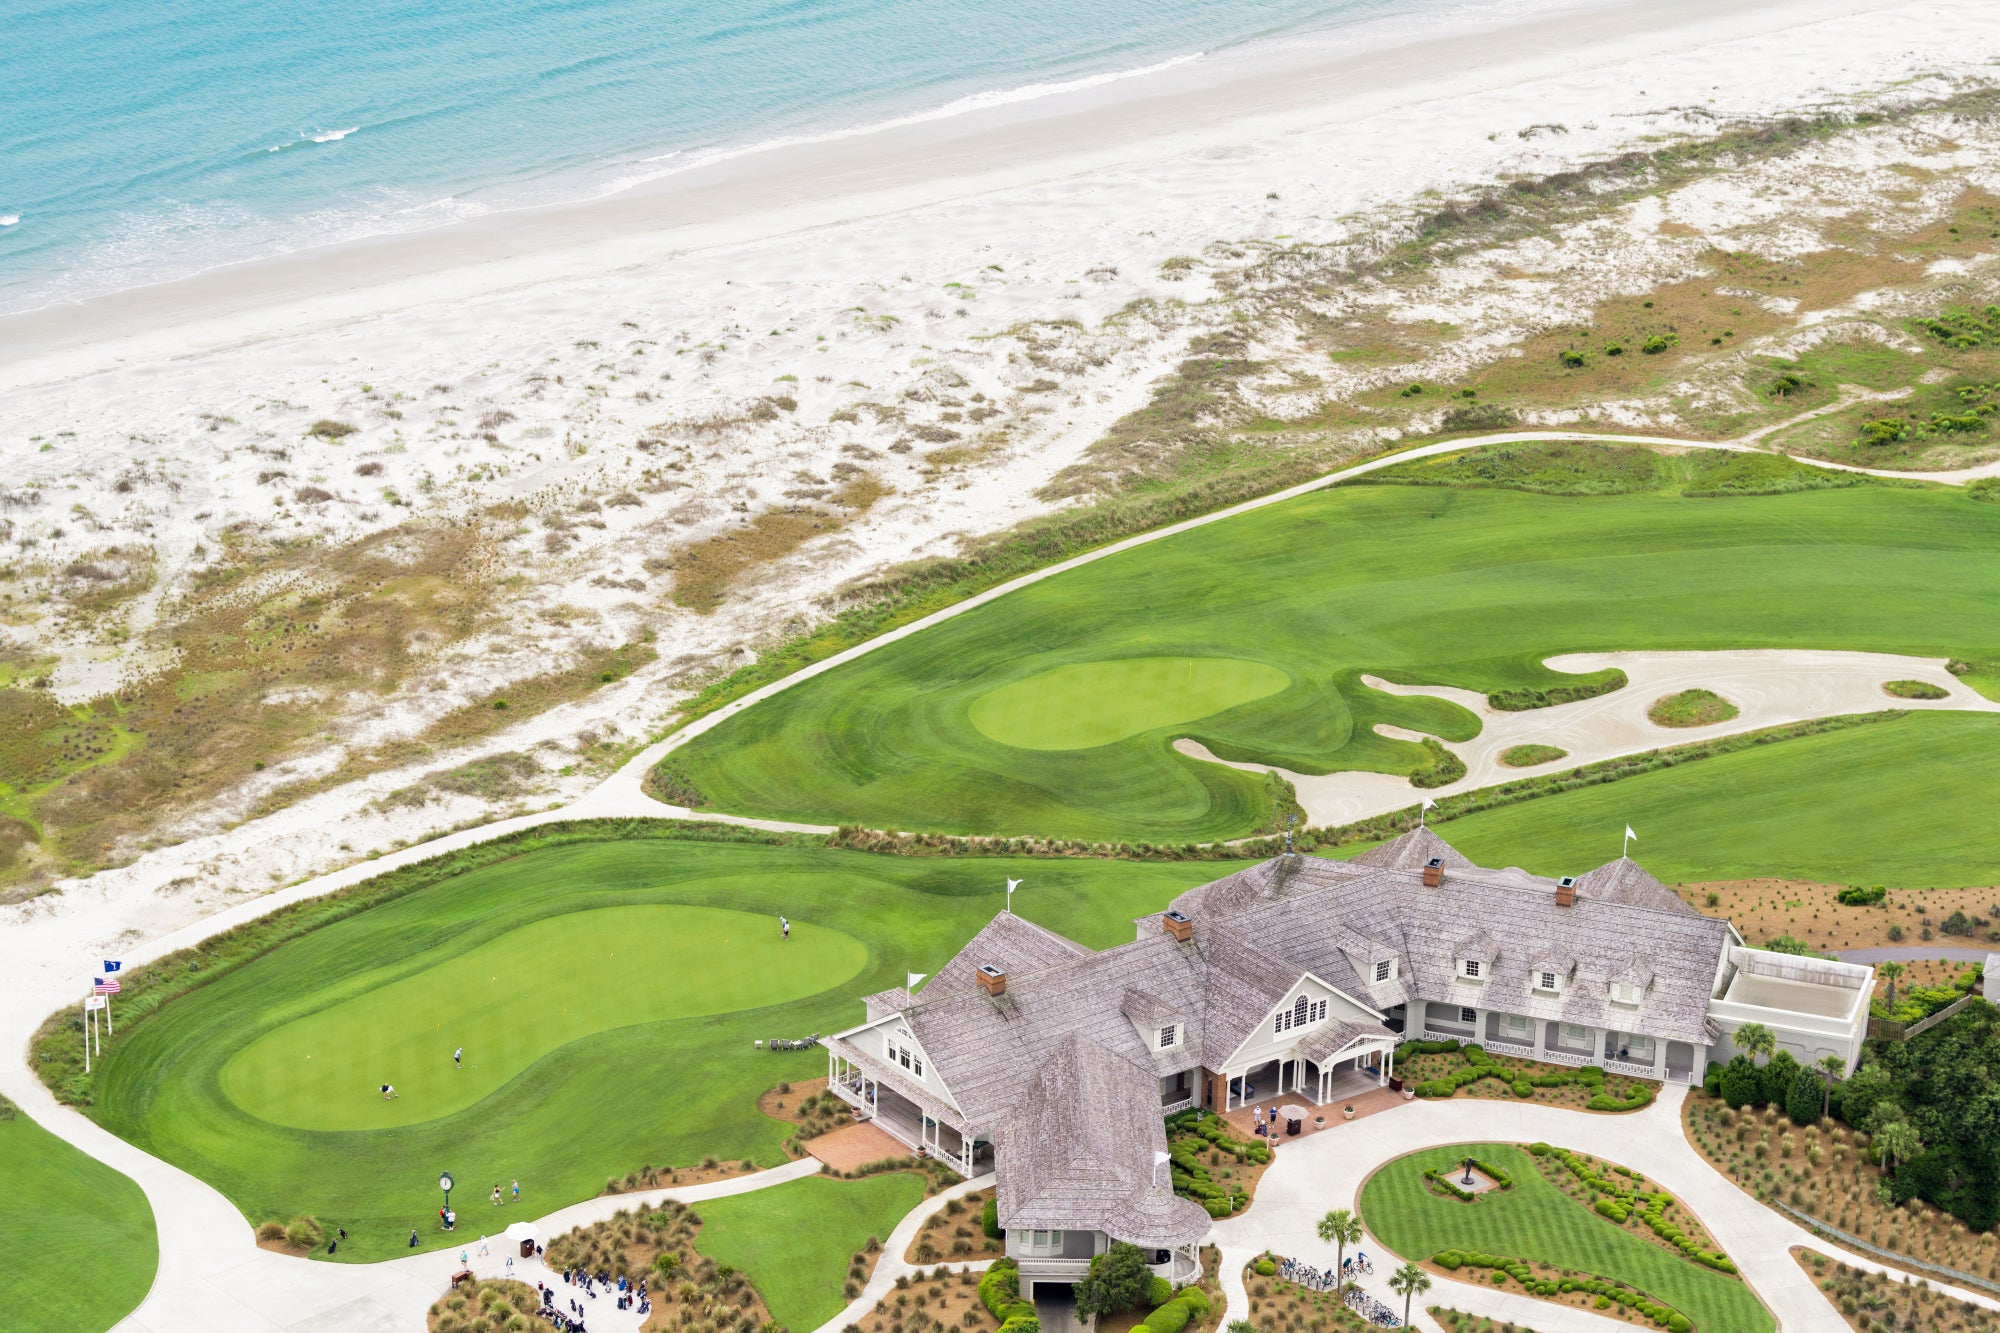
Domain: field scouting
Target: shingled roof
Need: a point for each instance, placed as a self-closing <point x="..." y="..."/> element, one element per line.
<point x="1011" y="943"/>
<point x="1076" y="1157"/>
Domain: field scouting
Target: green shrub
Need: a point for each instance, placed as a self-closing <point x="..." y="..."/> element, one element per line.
<point x="1022" y="1323"/>
<point x="1171" y="1317"/>
<point x="989" y="1219"/>
<point x="1000" y="1287"/>
<point x="1612" y="1209"/>
<point x="1856" y="896"/>
<point x="1265" y="1268"/>
<point x="1573" y="359"/>
<point x="1158" y="1292"/>
<point x="1196" y="1298"/>
<point x="1523" y="1088"/>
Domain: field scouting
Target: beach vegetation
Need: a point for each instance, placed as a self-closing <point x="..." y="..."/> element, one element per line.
<point x="328" y="429"/>
<point x="1531" y="756"/>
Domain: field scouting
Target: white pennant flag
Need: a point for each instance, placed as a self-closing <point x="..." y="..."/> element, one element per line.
<point x="1429" y="804"/>
<point x="1013" y="884"/>
<point x="914" y="978"/>
<point x="1161" y="1157"/>
<point x="1630" y="835"/>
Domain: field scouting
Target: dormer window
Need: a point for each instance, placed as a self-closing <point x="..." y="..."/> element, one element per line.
<point x="1303" y="1012"/>
<point x="1549" y="981"/>
<point x="1385" y="971"/>
<point x="1470" y="968"/>
<point x="906" y="1056"/>
<point x="1170" y="1036"/>
<point x="1626" y="992"/>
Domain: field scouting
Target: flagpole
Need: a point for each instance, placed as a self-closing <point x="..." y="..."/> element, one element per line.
<point x="86" y="1036"/>
<point x="109" y="1025"/>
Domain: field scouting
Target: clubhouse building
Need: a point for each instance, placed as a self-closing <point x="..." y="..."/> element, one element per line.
<point x="1294" y="980"/>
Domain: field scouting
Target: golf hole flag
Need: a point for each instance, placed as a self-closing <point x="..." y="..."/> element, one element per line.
<point x="112" y="965"/>
<point x="104" y="986"/>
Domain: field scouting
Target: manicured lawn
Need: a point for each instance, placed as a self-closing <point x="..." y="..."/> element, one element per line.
<point x="77" y="1245"/>
<point x="794" y="1241"/>
<point x="1424" y="584"/>
<point x="1536" y="1221"/>
<point x="664" y="952"/>
<point x="1905" y="802"/>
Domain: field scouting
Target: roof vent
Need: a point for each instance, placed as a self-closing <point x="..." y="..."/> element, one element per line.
<point x="1178" y="925"/>
<point x="1566" y="891"/>
<point x="992" y="978"/>
<point x="1434" y="872"/>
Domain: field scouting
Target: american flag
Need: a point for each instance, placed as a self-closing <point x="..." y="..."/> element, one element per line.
<point x="104" y="986"/>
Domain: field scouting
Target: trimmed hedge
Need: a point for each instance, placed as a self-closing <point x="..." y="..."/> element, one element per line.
<point x="989" y="1219"/>
<point x="1479" y="1065"/>
<point x="1001" y="1288"/>
<point x="1191" y="1178"/>
<point x="1505" y="1268"/>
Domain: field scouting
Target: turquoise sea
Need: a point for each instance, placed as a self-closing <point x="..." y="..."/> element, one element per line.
<point x="144" y="140"/>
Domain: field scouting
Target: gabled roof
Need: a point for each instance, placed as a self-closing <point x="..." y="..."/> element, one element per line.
<point x="1412" y="851"/>
<point x="1149" y="1011"/>
<point x="1082" y="1154"/>
<point x="1244" y="984"/>
<point x="1012" y="944"/>
<point x="1479" y="947"/>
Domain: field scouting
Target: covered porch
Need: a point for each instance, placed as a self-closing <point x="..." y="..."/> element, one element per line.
<point x="1328" y="1067"/>
<point x="928" y="1130"/>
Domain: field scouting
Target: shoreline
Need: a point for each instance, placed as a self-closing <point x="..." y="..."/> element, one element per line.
<point x="1267" y="90"/>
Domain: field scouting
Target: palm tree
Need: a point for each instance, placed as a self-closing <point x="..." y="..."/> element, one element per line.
<point x="1409" y="1282"/>
<point x="1340" y="1229"/>
<point x="1892" y="973"/>
<point x="1831" y="1067"/>
<point x="1757" y="1040"/>
<point x="1899" y="1141"/>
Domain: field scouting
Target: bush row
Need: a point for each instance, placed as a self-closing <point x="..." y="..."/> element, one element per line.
<point x="1000" y="1293"/>
<point x="1174" y="1315"/>
<point x="1618" y="1201"/>
<point x="1607" y="1293"/>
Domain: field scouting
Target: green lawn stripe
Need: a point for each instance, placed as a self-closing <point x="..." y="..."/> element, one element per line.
<point x="794" y="1240"/>
<point x="1537" y="1221"/>
<point x="77" y="1244"/>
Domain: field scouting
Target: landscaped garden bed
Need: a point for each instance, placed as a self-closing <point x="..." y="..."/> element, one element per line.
<point x="1621" y="1195"/>
<point x="966" y="1228"/>
<point x="1871" y="1301"/>
<point x="1457" y="1321"/>
<point x="1278" y="1306"/>
<point x="1541" y="1240"/>
<point x="1211" y="1165"/>
<point x="932" y="1302"/>
<point x="1454" y="1069"/>
<point x="483" y="1305"/>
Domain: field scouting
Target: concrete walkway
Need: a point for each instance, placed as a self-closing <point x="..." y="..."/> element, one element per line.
<point x="1328" y="1171"/>
<point x="48" y="945"/>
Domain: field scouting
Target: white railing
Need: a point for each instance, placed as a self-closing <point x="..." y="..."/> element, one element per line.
<point x="1556" y="1057"/>
<point x="1180" y="1105"/>
<point x="1634" y="1070"/>
<point x="1179" y="1269"/>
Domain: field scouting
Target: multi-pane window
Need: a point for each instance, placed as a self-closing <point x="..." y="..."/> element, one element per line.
<point x="1385" y="969"/>
<point x="1303" y="1012"/>
<point x="1548" y="981"/>
<point x="1472" y="967"/>
<point x="1169" y="1035"/>
<point x="1468" y="1015"/>
<point x="900" y="1054"/>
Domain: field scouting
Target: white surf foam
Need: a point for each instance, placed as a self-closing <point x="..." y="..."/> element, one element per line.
<point x="330" y="136"/>
<point x="9" y="219"/>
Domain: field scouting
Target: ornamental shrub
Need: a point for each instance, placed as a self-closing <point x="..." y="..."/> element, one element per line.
<point x="1266" y="1268"/>
<point x="1025" y="1323"/>
<point x="1523" y="1088"/>
<point x="1001" y="1286"/>
<point x="1805" y="1097"/>
<point x="1159" y="1292"/>
<point x="1612" y="1209"/>
<point x="1856" y="896"/>
<point x="1170" y="1318"/>
<point x="989" y="1219"/>
<point x="1196" y="1298"/>
<point x="1741" y="1083"/>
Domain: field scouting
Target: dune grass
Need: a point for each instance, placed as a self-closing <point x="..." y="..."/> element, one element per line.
<point x="1905" y="801"/>
<point x="1691" y="708"/>
<point x="594" y="1097"/>
<point x="794" y="1240"/>
<point x="1447" y="585"/>
<point x="1536" y="1221"/>
<point x="1529" y="756"/>
<point x="77" y="1242"/>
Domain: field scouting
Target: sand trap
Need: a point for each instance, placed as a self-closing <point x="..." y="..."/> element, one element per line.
<point x="1769" y="687"/>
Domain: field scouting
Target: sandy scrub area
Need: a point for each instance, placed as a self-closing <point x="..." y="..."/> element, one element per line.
<point x="1769" y="687"/>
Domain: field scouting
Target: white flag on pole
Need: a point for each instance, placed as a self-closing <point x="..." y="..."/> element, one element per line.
<point x="914" y="978"/>
<point x="1013" y="884"/>
<point x="1630" y="836"/>
<point x="95" y="1001"/>
<point x="1161" y="1157"/>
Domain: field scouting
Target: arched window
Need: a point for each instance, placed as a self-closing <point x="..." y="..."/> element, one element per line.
<point x="1301" y="1011"/>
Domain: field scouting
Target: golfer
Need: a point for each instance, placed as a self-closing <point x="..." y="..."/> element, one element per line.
<point x="388" y="1092"/>
<point x="517" y="1191"/>
<point x="496" y="1195"/>
<point x="458" y="1058"/>
<point x="784" y="928"/>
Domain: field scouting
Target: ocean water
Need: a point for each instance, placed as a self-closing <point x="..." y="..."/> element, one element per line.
<point x="145" y="140"/>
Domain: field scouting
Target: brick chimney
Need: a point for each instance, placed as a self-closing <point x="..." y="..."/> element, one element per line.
<point x="1179" y="926"/>
<point x="992" y="978"/>
<point x="1434" y="872"/>
<point x="1566" y="891"/>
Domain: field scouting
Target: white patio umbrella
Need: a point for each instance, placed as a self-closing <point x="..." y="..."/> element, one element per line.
<point x="520" y="1231"/>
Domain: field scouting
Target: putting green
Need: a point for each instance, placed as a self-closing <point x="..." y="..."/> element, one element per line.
<point x="1087" y="704"/>
<point x="512" y="1000"/>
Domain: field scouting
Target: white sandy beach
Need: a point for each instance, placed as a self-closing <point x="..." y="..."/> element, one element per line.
<point x="1011" y="257"/>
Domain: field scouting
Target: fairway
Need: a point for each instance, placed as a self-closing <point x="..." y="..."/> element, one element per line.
<point x="1536" y="1221"/>
<point x="1095" y="703"/>
<point x="1011" y="719"/>
<point x="506" y="1004"/>
<point x="664" y="949"/>
<point x="795" y="1239"/>
<point x="77" y="1244"/>
<point x="1906" y="802"/>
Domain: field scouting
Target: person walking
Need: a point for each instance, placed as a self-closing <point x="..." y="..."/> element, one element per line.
<point x="496" y="1196"/>
<point x="517" y="1191"/>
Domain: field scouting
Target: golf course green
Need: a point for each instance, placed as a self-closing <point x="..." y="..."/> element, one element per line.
<point x="608" y="995"/>
<point x="1536" y="1221"/>
<point x="77" y="1243"/>
<point x="1037" y="714"/>
<point x="1095" y="703"/>
<point x="1906" y="802"/>
<point x="634" y="965"/>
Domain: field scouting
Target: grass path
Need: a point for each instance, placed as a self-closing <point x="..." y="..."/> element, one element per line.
<point x="77" y="1244"/>
<point x="1536" y="1221"/>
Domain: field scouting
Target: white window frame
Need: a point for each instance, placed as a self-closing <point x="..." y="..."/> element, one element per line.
<point x="1577" y="1034"/>
<point x="1518" y="1025"/>
<point x="1469" y="968"/>
<point x="1042" y="1242"/>
<point x="1385" y="970"/>
<point x="1467" y="1015"/>
<point x="1627" y="992"/>
<point x="1640" y="1049"/>
<point x="1170" y="1036"/>
<point x="1548" y="980"/>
